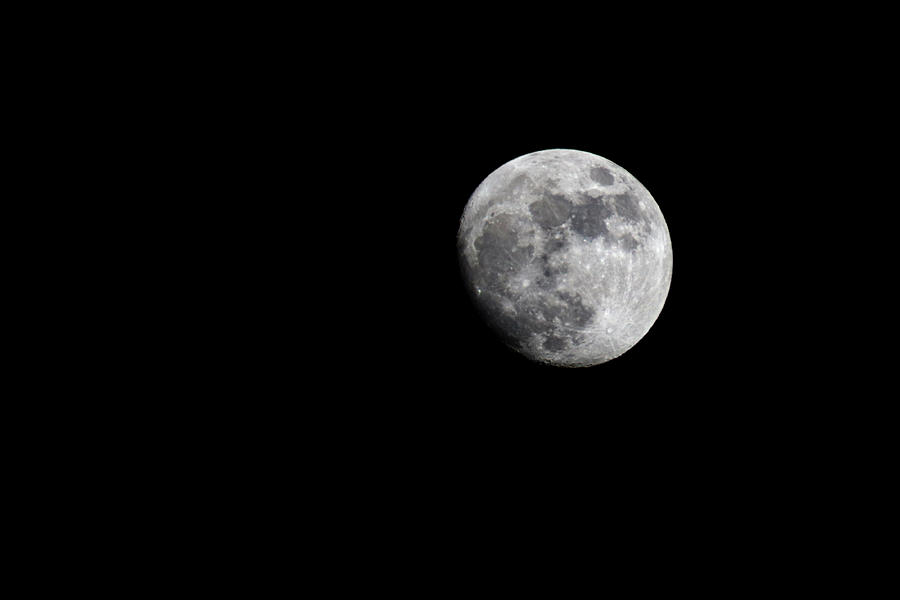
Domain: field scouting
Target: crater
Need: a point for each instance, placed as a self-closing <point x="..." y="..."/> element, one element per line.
<point x="554" y="343"/>
<point x="629" y="242"/>
<point x="602" y="176"/>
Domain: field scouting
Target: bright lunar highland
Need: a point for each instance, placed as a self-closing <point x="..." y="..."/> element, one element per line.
<point x="567" y="256"/>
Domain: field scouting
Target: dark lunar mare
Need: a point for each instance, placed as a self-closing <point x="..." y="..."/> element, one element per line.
<point x="499" y="253"/>
<point x="602" y="176"/>
<point x="589" y="219"/>
<point x="550" y="211"/>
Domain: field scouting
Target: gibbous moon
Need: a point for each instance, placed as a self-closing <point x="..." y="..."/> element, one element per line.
<point x="567" y="257"/>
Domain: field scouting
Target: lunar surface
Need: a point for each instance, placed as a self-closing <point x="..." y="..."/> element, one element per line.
<point x="567" y="257"/>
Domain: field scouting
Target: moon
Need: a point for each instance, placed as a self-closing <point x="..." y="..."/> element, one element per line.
<point x="567" y="257"/>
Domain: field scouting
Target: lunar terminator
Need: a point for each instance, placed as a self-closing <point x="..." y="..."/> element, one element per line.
<point x="566" y="255"/>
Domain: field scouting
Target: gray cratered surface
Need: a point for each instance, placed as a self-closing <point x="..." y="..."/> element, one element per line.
<point x="567" y="256"/>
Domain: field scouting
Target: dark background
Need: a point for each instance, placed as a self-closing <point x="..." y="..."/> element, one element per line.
<point x="730" y="372"/>
<point x="256" y="340"/>
<point x="715" y="155"/>
<point x="366" y="148"/>
<point x="732" y="408"/>
<point x="304" y="342"/>
<point x="347" y="316"/>
<point x="734" y="136"/>
<point x="340" y="354"/>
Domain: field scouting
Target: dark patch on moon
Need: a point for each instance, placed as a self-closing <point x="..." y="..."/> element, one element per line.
<point x="629" y="242"/>
<point x="520" y="184"/>
<point x="549" y="273"/>
<point x="554" y="244"/>
<point x="510" y="327"/>
<point x="554" y="344"/>
<point x="499" y="253"/>
<point x="627" y="207"/>
<point x="554" y="270"/>
<point x="550" y="211"/>
<point x="571" y="312"/>
<point x="575" y="313"/>
<point x="589" y="219"/>
<point x="602" y="176"/>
